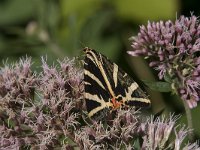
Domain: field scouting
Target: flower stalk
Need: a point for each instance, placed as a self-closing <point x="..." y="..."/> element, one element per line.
<point x="189" y="120"/>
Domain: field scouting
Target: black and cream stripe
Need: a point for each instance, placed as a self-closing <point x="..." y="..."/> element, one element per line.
<point x="107" y="87"/>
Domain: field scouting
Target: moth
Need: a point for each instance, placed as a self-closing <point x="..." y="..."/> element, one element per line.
<point x="107" y="87"/>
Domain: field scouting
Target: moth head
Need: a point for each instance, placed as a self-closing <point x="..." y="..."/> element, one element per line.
<point x="86" y="49"/>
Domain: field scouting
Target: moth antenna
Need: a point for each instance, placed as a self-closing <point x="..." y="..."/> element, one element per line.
<point x="82" y="44"/>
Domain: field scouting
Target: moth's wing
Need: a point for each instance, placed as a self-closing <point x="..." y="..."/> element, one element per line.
<point x="97" y="96"/>
<point x="134" y="96"/>
<point x="119" y="85"/>
<point x="112" y="72"/>
<point x="124" y="86"/>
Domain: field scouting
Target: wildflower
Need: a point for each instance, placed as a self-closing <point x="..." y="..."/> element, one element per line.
<point x="127" y="128"/>
<point x="17" y="80"/>
<point x="38" y="109"/>
<point x="163" y="133"/>
<point x="174" y="51"/>
<point x="52" y="118"/>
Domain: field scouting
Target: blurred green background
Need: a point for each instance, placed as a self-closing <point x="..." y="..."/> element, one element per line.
<point x="60" y="28"/>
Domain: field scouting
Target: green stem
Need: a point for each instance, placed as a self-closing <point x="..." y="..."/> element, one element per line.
<point x="189" y="120"/>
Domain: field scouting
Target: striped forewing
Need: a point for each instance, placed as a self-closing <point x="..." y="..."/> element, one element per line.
<point x="105" y="81"/>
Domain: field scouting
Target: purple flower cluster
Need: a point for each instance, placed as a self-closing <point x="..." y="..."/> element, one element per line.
<point x="159" y="131"/>
<point x="38" y="110"/>
<point x="127" y="128"/>
<point x="17" y="80"/>
<point x="174" y="50"/>
<point x="46" y="111"/>
<point x="119" y="133"/>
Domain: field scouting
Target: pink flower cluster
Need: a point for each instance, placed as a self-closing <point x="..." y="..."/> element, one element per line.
<point x="173" y="49"/>
<point x="46" y="111"/>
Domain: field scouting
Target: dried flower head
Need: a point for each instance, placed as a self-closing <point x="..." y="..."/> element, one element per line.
<point x="174" y="50"/>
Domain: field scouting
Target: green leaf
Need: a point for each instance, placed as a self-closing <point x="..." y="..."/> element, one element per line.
<point x="167" y="78"/>
<point x="159" y="86"/>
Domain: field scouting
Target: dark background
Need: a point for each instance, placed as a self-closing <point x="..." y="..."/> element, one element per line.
<point x="62" y="28"/>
